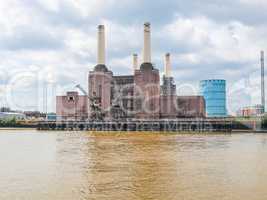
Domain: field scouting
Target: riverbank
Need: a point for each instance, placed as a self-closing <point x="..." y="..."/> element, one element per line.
<point x="248" y="131"/>
<point x="15" y="128"/>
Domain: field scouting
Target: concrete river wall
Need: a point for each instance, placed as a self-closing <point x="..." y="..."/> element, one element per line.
<point x="179" y="125"/>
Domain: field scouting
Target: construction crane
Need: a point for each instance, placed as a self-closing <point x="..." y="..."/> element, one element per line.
<point x="81" y="89"/>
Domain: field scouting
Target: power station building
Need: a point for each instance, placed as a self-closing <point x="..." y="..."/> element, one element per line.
<point x="214" y="93"/>
<point x="135" y="96"/>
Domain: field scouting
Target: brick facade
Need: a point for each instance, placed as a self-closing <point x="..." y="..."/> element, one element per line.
<point x="147" y="92"/>
<point x="191" y="106"/>
<point x="72" y="106"/>
<point x="99" y="85"/>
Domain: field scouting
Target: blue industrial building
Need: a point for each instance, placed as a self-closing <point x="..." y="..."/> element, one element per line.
<point x="214" y="92"/>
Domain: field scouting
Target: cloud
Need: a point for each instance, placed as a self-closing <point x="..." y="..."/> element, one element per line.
<point x="25" y="38"/>
<point x="255" y="2"/>
<point x="122" y="65"/>
<point x="231" y="42"/>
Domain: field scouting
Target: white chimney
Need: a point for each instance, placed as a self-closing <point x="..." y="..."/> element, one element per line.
<point x="167" y="67"/>
<point x="135" y="62"/>
<point x="147" y="43"/>
<point x="101" y="57"/>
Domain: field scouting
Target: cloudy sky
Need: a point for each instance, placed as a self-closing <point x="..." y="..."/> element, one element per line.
<point x="52" y="44"/>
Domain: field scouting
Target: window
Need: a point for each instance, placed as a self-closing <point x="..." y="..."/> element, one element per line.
<point x="71" y="98"/>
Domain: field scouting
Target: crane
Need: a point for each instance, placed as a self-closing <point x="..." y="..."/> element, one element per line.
<point x="81" y="89"/>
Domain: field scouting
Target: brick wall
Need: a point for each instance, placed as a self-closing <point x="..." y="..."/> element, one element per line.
<point x="72" y="106"/>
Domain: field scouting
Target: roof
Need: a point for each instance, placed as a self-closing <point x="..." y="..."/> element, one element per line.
<point x="213" y="80"/>
<point x="101" y="68"/>
<point x="146" y="66"/>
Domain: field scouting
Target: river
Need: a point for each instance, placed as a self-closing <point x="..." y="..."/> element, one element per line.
<point x="132" y="166"/>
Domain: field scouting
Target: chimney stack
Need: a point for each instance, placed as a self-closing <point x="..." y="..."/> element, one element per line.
<point x="262" y="82"/>
<point x="135" y="62"/>
<point x="101" y="57"/>
<point x="147" y="43"/>
<point x="167" y="68"/>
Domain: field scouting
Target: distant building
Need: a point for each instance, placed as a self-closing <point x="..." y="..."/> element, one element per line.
<point x="214" y="92"/>
<point x="12" y="115"/>
<point x="34" y="115"/>
<point x="251" y="111"/>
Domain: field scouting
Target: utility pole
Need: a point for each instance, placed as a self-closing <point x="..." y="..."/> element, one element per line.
<point x="262" y="82"/>
<point x="45" y="99"/>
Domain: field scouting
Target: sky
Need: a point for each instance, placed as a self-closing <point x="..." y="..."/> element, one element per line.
<point x="49" y="46"/>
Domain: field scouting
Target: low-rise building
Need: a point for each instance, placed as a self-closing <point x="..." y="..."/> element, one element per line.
<point x="251" y="111"/>
<point x="72" y="106"/>
<point x="191" y="106"/>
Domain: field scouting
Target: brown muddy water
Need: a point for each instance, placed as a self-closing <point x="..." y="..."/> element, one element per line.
<point x="143" y="166"/>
